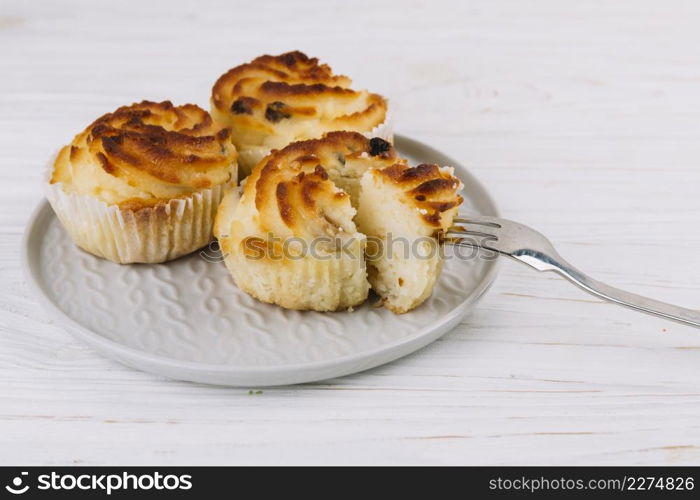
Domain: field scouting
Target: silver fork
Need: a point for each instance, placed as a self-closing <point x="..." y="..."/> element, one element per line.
<point x="534" y="249"/>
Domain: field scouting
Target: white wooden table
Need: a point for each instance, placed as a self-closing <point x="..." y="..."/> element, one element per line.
<point x="582" y="118"/>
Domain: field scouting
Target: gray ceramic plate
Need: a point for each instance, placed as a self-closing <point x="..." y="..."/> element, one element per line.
<point x="187" y="320"/>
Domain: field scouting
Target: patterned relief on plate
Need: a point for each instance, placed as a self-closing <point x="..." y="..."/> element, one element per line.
<point x="191" y="310"/>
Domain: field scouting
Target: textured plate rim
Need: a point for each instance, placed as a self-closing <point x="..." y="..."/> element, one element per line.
<point x="381" y="355"/>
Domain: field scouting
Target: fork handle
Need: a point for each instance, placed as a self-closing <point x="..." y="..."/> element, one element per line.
<point x="599" y="289"/>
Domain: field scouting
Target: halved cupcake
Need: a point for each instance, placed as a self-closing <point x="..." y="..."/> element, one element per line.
<point x="297" y="235"/>
<point x="143" y="183"/>
<point x="276" y="100"/>
<point x="290" y="239"/>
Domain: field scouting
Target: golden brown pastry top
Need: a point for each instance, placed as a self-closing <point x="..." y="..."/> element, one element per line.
<point x="432" y="190"/>
<point x="147" y="153"/>
<point x="275" y="100"/>
<point x="305" y="189"/>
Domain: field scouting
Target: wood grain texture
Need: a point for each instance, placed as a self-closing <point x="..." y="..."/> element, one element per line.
<point x="583" y="119"/>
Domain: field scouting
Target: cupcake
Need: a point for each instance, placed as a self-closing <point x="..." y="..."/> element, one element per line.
<point x="276" y="100"/>
<point x="297" y="234"/>
<point x="142" y="184"/>
<point x="290" y="240"/>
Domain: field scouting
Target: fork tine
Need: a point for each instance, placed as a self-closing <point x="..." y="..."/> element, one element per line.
<point x="466" y="242"/>
<point x="479" y="220"/>
<point x="463" y="231"/>
<point x="468" y="232"/>
<point x="458" y="242"/>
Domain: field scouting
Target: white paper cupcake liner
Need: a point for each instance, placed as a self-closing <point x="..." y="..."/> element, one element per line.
<point x="148" y="235"/>
<point x="384" y="130"/>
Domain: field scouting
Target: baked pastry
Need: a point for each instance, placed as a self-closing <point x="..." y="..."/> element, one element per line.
<point x="276" y="100"/>
<point x="297" y="235"/>
<point x="290" y="239"/>
<point x="403" y="210"/>
<point x="142" y="184"/>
